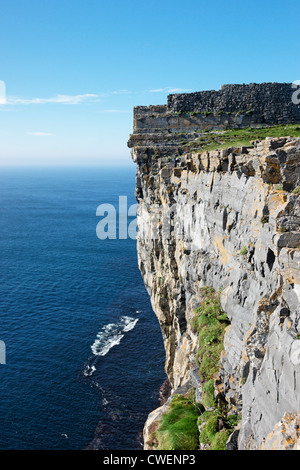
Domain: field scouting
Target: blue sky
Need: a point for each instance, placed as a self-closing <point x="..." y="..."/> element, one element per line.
<point x="74" y="69"/>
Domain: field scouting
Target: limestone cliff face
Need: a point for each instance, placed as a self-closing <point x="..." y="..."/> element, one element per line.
<point x="228" y="219"/>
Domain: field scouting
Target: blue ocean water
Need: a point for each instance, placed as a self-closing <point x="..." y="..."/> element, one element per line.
<point x="84" y="352"/>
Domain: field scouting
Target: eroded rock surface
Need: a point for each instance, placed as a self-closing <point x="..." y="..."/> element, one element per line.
<point x="228" y="219"/>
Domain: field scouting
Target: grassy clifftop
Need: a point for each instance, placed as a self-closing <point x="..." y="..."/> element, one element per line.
<point x="212" y="140"/>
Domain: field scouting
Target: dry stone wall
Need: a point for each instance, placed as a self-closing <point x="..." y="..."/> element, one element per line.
<point x="270" y="103"/>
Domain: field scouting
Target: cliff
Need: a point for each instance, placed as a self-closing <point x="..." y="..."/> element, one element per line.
<point x="224" y="223"/>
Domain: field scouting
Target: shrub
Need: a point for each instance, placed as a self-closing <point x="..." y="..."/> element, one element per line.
<point x="232" y="421"/>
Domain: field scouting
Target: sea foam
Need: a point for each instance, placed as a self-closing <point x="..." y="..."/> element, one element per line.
<point x="111" y="335"/>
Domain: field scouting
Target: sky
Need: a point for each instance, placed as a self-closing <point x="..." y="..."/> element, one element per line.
<point x="71" y="71"/>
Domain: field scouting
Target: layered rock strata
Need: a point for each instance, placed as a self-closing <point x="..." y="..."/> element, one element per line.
<point x="228" y="219"/>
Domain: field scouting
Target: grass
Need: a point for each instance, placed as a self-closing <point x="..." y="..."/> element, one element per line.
<point x="178" y="428"/>
<point x="296" y="190"/>
<point x="213" y="140"/>
<point x="244" y="251"/>
<point x="215" y="428"/>
<point x="208" y="396"/>
<point x="209" y="322"/>
<point x="186" y="425"/>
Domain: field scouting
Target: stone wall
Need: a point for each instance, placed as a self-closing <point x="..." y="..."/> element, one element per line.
<point x="233" y="106"/>
<point x="271" y="103"/>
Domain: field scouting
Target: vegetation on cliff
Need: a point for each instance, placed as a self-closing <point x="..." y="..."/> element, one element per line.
<point x="210" y="321"/>
<point x="219" y="139"/>
<point x="188" y="425"/>
<point x="232" y="174"/>
<point x="178" y="428"/>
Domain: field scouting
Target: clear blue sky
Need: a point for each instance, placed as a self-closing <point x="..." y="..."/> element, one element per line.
<point x="74" y="69"/>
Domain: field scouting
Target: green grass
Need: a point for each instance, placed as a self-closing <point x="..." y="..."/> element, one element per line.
<point x="215" y="428"/>
<point x="208" y="397"/>
<point x="209" y="322"/>
<point x="178" y="428"/>
<point x="244" y="251"/>
<point x="213" y="140"/>
<point x="296" y="190"/>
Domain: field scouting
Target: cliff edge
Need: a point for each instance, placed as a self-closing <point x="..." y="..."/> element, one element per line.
<point x="218" y="191"/>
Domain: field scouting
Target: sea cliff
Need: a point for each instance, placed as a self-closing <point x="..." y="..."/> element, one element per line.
<point x="218" y="191"/>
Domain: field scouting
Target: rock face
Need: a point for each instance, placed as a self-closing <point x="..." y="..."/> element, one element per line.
<point x="285" y="435"/>
<point x="227" y="219"/>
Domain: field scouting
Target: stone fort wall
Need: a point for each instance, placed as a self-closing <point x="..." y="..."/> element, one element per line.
<point x="232" y="106"/>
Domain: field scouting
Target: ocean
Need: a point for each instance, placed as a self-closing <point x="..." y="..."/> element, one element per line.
<point x="84" y="356"/>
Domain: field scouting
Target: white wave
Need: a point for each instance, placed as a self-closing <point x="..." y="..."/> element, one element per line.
<point x="102" y="345"/>
<point x="129" y="323"/>
<point x="89" y="370"/>
<point x="111" y="335"/>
